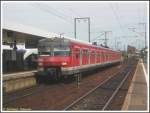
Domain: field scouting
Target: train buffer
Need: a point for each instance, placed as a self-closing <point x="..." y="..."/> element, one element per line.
<point x="137" y="96"/>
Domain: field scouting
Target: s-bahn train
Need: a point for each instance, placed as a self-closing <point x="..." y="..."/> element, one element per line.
<point x="62" y="56"/>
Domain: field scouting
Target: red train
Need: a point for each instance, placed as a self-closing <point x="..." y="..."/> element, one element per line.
<point x="61" y="56"/>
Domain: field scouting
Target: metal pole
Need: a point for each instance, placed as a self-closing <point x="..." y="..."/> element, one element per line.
<point x="144" y="31"/>
<point x="75" y="28"/>
<point x="105" y="40"/>
<point x="89" y="29"/>
<point x="115" y="44"/>
<point x="78" y="79"/>
<point x="124" y="47"/>
<point x="145" y="34"/>
<point x="105" y="33"/>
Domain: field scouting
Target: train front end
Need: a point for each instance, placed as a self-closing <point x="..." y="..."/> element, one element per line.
<point x="54" y="53"/>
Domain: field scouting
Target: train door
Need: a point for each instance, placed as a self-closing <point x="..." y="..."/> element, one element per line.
<point x="100" y="59"/>
<point x="91" y="57"/>
<point x="80" y="59"/>
<point x="106" y="57"/>
<point x="97" y="57"/>
<point x="104" y="54"/>
<point x="94" y="57"/>
<point x="76" y="57"/>
<point x="88" y="56"/>
<point x="84" y="56"/>
<point x="103" y="57"/>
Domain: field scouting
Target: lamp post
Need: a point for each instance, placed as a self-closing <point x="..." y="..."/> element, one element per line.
<point x="134" y="30"/>
<point x="144" y="31"/>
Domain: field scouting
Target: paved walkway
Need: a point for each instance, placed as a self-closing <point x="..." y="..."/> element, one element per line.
<point x="145" y="66"/>
<point x="136" y="98"/>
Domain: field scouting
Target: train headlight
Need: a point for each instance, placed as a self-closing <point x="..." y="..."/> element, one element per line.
<point x="40" y="64"/>
<point x="64" y="63"/>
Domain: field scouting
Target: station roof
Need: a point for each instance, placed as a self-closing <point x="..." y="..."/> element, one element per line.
<point x="14" y="26"/>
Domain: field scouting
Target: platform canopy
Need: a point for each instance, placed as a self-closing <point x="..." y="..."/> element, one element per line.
<point x="14" y="26"/>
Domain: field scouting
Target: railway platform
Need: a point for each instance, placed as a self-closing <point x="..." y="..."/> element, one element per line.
<point x="18" y="74"/>
<point x="19" y="80"/>
<point x="137" y="97"/>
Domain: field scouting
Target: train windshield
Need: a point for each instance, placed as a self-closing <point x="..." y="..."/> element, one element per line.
<point x="53" y="48"/>
<point x="61" y="52"/>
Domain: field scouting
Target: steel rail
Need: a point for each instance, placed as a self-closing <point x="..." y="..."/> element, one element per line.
<point x="116" y="91"/>
<point x="92" y="90"/>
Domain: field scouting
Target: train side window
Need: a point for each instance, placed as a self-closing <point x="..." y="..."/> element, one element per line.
<point x="103" y="55"/>
<point x="77" y="56"/>
<point x="100" y="55"/>
<point x="70" y="52"/>
<point x="81" y="53"/>
<point x="86" y="52"/>
<point x="77" y="53"/>
<point x="94" y="53"/>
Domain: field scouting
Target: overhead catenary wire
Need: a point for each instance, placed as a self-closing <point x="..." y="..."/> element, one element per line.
<point x="74" y="12"/>
<point x="47" y="10"/>
<point x="117" y="18"/>
<point x="98" y="36"/>
<point x="60" y="12"/>
<point x="57" y="13"/>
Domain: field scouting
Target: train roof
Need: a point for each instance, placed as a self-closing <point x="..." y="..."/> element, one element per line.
<point x="81" y="42"/>
<point x="90" y="44"/>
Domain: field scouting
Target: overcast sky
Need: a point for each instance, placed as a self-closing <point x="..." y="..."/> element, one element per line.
<point x="58" y="17"/>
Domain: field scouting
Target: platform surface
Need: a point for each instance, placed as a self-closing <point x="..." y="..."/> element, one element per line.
<point x="136" y="98"/>
<point x="18" y="75"/>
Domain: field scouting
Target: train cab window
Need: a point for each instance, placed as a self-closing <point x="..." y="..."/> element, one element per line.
<point x="61" y="53"/>
<point x="58" y="47"/>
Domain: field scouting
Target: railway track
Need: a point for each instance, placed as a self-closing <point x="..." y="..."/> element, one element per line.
<point x="101" y="96"/>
